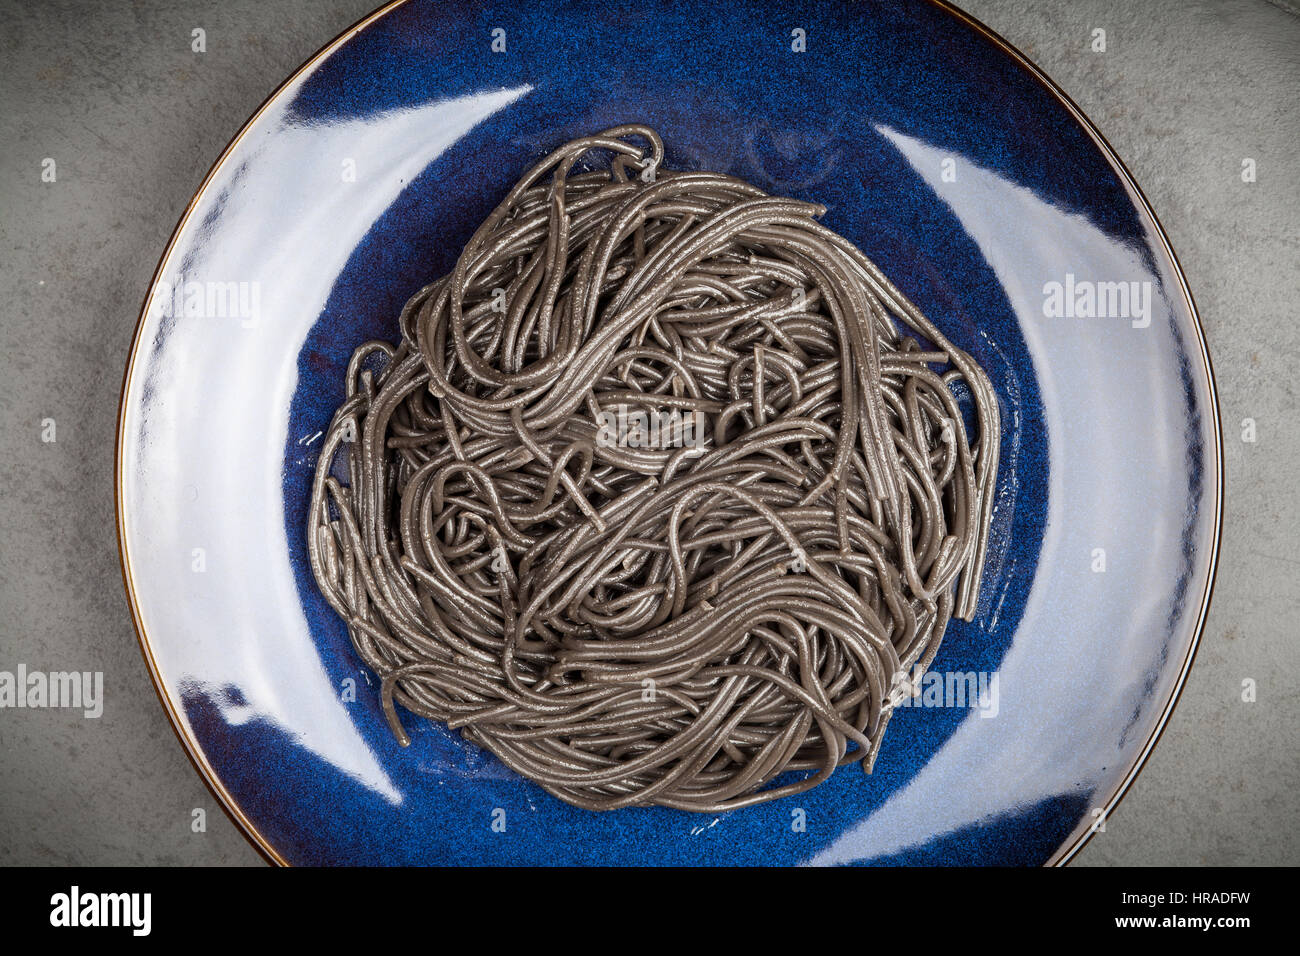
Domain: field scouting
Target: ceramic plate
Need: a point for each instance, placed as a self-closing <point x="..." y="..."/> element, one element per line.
<point x="971" y="180"/>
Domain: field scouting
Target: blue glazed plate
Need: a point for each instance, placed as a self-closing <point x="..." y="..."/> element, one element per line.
<point x="970" y="179"/>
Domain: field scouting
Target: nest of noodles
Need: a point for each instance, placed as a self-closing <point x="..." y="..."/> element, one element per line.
<point x="664" y="493"/>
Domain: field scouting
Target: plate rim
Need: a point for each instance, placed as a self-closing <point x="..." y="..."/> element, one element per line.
<point x="1082" y="833"/>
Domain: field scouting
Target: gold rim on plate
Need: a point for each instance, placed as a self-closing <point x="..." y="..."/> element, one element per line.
<point x="1082" y="833"/>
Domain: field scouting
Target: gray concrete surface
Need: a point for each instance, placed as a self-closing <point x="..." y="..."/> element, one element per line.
<point x="134" y="118"/>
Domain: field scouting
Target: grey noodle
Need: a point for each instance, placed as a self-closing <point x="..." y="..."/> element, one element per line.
<point x="632" y="620"/>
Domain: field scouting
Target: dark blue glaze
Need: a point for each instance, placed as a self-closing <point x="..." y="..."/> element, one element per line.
<point x="861" y="123"/>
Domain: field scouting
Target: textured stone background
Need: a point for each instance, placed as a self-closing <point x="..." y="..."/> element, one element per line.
<point x="135" y="118"/>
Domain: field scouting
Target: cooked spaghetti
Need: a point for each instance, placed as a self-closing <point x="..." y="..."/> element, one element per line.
<point x="734" y="588"/>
